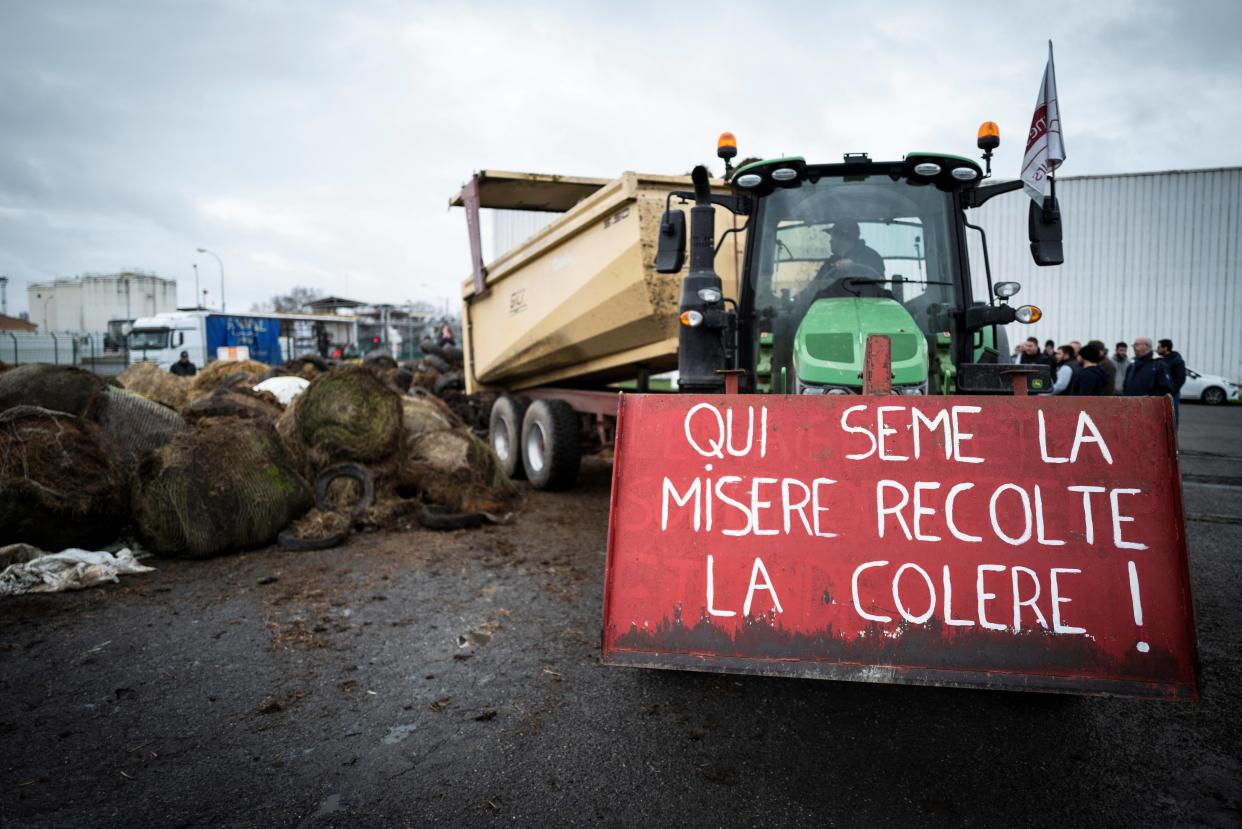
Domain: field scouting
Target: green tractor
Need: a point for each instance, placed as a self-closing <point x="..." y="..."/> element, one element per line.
<point x="836" y="254"/>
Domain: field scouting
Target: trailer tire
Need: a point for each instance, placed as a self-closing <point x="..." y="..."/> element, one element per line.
<point x="504" y="433"/>
<point x="551" y="445"/>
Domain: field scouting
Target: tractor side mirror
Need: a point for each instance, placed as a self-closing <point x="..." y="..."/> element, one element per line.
<point x="1044" y="225"/>
<point x="671" y="252"/>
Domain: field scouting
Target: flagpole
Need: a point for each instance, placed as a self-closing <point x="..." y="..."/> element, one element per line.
<point x="1050" y="202"/>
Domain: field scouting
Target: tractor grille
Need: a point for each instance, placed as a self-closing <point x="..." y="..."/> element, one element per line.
<point x="832" y="348"/>
<point x="839" y="348"/>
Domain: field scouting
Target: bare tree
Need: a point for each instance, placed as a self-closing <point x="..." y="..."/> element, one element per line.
<point x="296" y="300"/>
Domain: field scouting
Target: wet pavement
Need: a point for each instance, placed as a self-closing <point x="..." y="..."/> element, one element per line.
<point x="453" y="679"/>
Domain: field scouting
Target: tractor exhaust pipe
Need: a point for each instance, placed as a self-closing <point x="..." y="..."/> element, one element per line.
<point x="701" y="348"/>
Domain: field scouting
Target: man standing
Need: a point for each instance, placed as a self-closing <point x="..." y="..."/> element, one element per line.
<point x="1122" y="358"/>
<point x="1109" y="367"/>
<point x="1146" y="376"/>
<point x="183" y="367"/>
<point x="1092" y="379"/>
<point x="1028" y="353"/>
<point x="1177" y="374"/>
<point x="1067" y="367"/>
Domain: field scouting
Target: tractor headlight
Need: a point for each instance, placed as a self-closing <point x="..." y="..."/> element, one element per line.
<point x="709" y="295"/>
<point x="1028" y="314"/>
<point x="691" y="319"/>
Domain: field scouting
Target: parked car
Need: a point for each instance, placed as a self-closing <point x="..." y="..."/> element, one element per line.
<point x="1209" y="388"/>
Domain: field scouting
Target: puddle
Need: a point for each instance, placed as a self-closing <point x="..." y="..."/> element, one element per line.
<point x="399" y="733"/>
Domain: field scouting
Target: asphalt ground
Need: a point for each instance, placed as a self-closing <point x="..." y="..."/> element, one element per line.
<point x="415" y="679"/>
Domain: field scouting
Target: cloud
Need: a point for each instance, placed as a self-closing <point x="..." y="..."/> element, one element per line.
<point x="321" y="141"/>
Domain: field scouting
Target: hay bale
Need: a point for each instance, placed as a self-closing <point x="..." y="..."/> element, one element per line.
<point x="234" y="402"/>
<point x="227" y="484"/>
<point x="136" y="424"/>
<point x="62" y="481"/>
<point x="154" y="383"/>
<point x="66" y="389"/>
<point x="425" y="413"/>
<point x="216" y="372"/>
<point x="453" y="468"/>
<point x="344" y="415"/>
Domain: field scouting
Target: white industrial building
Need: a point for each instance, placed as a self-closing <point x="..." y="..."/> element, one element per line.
<point x="1146" y="254"/>
<point x="87" y="303"/>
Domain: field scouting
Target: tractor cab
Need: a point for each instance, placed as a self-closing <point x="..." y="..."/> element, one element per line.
<point x="838" y="253"/>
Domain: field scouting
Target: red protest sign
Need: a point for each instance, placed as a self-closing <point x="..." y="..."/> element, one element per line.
<point x="1014" y="542"/>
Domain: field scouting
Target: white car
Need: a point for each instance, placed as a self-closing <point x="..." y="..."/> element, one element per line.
<point x="1208" y="388"/>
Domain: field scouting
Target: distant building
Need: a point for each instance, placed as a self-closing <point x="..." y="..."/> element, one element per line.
<point x="14" y="324"/>
<point x="1146" y="255"/>
<point x="394" y="328"/>
<point x="88" y="303"/>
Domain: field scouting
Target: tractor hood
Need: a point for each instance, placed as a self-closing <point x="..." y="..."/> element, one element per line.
<point x="832" y="340"/>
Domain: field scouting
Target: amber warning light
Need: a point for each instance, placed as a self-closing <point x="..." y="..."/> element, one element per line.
<point x="989" y="135"/>
<point x="726" y="148"/>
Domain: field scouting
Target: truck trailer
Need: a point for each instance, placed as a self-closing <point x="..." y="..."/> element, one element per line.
<point x="267" y="338"/>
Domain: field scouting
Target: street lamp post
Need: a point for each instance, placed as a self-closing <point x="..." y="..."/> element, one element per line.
<point x="221" y="264"/>
<point x="196" y="293"/>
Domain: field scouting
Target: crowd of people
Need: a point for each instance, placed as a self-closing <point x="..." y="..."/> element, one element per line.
<point x="1089" y="370"/>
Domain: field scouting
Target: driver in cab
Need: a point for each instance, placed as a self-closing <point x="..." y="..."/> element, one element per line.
<point x="848" y="249"/>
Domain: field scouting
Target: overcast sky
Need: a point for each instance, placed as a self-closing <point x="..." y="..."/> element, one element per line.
<point x="316" y="143"/>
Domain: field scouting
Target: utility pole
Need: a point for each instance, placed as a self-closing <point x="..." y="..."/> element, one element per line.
<point x="4" y="295"/>
<point x="196" y="294"/>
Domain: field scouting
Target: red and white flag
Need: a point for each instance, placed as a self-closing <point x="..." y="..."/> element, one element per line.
<point x="1044" y="148"/>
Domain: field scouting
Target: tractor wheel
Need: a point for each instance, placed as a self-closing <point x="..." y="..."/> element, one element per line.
<point x="1213" y="396"/>
<point x="551" y="445"/>
<point x="504" y="433"/>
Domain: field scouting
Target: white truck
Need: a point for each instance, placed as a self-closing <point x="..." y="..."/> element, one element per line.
<point x="268" y="338"/>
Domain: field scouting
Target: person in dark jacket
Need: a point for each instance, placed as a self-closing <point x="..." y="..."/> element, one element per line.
<point x="1067" y="367"/>
<point x="1110" y="368"/>
<point x="183" y="367"/>
<point x="1146" y="376"/>
<point x="1092" y="379"/>
<point x="1177" y="374"/>
<point x="848" y="248"/>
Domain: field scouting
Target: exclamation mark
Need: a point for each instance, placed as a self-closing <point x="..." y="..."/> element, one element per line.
<point x="1137" y="604"/>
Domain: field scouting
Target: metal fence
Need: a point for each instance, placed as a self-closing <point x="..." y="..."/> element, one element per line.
<point x="61" y="348"/>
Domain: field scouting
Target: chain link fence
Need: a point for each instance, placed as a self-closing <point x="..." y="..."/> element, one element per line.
<point x="61" y="348"/>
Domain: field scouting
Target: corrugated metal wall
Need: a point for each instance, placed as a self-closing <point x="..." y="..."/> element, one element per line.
<point x="510" y="228"/>
<point x="1153" y="254"/>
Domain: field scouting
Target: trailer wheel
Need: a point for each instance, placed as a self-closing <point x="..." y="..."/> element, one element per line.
<point x="551" y="445"/>
<point x="504" y="433"/>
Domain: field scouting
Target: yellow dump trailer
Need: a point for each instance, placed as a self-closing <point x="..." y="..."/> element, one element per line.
<point x="579" y="304"/>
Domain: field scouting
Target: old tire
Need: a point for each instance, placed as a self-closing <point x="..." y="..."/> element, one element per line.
<point x="551" y="445"/>
<point x="1213" y="396"/>
<point x="437" y="362"/>
<point x="288" y="541"/>
<point x="504" y="434"/>
<point x="447" y="382"/>
<point x="345" y="470"/>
